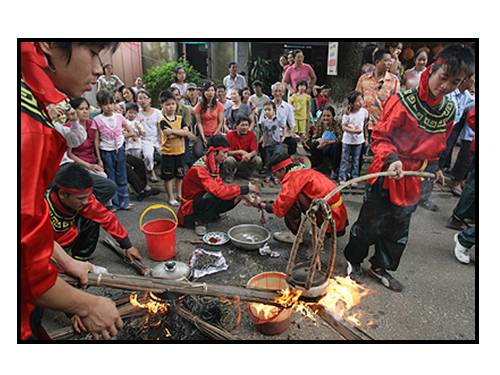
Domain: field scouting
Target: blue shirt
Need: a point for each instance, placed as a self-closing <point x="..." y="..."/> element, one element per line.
<point x="463" y="102"/>
<point x="328" y="135"/>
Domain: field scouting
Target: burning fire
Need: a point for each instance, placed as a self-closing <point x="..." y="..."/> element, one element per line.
<point x="342" y="294"/>
<point x="265" y="312"/>
<point x="153" y="304"/>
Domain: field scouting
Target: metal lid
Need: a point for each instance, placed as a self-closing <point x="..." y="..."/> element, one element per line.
<point x="172" y="270"/>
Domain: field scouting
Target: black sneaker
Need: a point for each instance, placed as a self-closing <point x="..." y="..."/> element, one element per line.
<point x="355" y="272"/>
<point x="455" y="223"/>
<point x="385" y="279"/>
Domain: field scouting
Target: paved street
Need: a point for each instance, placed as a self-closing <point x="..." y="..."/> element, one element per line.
<point x="438" y="302"/>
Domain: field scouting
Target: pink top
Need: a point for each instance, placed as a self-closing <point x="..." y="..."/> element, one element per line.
<point x="110" y="131"/>
<point x="294" y="74"/>
<point x="86" y="150"/>
<point x="209" y="119"/>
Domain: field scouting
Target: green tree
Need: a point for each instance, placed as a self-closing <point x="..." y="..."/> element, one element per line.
<point x="160" y="77"/>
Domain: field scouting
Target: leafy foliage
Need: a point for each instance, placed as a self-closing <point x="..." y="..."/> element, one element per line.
<point x="160" y="77"/>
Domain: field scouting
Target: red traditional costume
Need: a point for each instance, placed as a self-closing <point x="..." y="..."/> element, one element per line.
<point x="204" y="177"/>
<point x="42" y="149"/>
<point x="413" y="129"/>
<point x="312" y="184"/>
<point x="63" y="220"/>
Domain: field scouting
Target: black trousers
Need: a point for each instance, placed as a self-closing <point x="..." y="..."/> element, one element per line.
<point x="207" y="208"/>
<point x="463" y="162"/>
<point x="136" y="173"/>
<point x="445" y="157"/>
<point x="85" y="243"/>
<point x="466" y="206"/>
<point x="382" y="224"/>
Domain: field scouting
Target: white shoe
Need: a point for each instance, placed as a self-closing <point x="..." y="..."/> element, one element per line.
<point x="173" y="203"/>
<point x="461" y="252"/>
<point x="286" y="237"/>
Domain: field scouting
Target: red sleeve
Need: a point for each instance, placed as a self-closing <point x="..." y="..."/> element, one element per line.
<point x="96" y="212"/>
<point x="290" y="190"/>
<point x="216" y="187"/>
<point x="471" y="120"/>
<point x="38" y="274"/>
<point x="220" y="108"/>
<point x="253" y="143"/>
<point x="197" y="108"/>
<point x="383" y="144"/>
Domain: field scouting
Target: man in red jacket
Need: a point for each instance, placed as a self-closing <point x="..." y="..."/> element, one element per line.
<point x="51" y="72"/>
<point x="409" y="137"/>
<point x="76" y="215"/>
<point x="204" y="196"/>
<point x="299" y="187"/>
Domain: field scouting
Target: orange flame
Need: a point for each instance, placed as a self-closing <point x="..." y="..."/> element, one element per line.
<point x="154" y="304"/>
<point x="265" y="312"/>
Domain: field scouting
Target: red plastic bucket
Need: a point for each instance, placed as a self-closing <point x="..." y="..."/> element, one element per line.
<point x="159" y="234"/>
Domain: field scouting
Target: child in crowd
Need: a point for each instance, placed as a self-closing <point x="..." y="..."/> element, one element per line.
<point x="258" y="98"/>
<point x="180" y="78"/>
<point x="110" y="148"/>
<point x="173" y="131"/>
<point x="301" y="103"/>
<point x="354" y="124"/>
<point x="321" y="99"/>
<point x="133" y="144"/>
<point x="272" y="136"/>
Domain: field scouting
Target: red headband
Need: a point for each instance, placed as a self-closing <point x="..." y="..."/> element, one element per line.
<point x="219" y="148"/>
<point x="74" y="190"/>
<point x="441" y="61"/>
<point x="282" y="164"/>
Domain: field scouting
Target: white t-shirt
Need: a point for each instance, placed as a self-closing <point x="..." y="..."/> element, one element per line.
<point x="358" y="121"/>
<point x="182" y="87"/>
<point x="150" y="125"/>
<point x="136" y="127"/>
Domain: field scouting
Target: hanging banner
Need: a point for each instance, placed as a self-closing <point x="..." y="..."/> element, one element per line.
<point x="333" y="49"/>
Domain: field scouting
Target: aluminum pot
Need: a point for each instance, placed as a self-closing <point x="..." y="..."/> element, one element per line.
<point x="249" y="236"/>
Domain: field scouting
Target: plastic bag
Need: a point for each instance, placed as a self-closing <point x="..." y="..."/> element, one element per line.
<point x="266" y="250"/>
<point x="204" y="263"/>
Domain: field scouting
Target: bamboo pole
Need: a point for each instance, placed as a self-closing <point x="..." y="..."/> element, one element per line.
<point x="132" y="282"/>
<point x="205" y="327"/>
<point x="347" y="333"/>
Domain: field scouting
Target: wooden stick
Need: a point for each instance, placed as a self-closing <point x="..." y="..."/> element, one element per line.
<point x="132" y="282"/>
<point x="205" y="327"/>
<point x="347" y="333"/>
<point x="137" y="265"/>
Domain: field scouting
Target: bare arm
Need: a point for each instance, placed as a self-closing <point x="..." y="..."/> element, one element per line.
<point x="97" y="142"/>
<point x="221" y="123"/>
<point x="200" y="128"/>
<point x="77" y="160"/>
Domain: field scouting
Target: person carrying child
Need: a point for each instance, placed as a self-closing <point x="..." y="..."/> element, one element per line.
<point x="354" y="126"/>
<point x="173" y="130"/>
<point x="110" y="147"/>
<point x="133" y="145"/>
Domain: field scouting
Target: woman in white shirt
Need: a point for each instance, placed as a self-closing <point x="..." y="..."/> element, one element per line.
<point x="149" y="118"/>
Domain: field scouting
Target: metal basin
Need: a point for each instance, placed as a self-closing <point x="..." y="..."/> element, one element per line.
<point x="249" y="236"/>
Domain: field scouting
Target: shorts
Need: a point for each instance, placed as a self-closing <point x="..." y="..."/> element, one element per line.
<point x="300" y="126"/>
<point x="172" y="166"/>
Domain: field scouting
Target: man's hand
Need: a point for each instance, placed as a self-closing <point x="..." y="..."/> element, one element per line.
<point x="246" y="156"/>
<point x="78" y="269"/>
<point x="77" y="324"/>
<point x="133" y="253"/>
<point x="103" y="320"/>
<point x="439" y="177"/>
<point x="254" y="188"/>
<point x="397" y="167"/>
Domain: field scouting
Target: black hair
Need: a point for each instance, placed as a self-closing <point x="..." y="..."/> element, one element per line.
<point x="131" y="107"/>
<point x="204" y="104"/>
<point x="330" y="108"/>
<point x="120" y="89"/>
<point x="67" y="47"/>
<point x="74" y="177"/>
<point x="104" y="97"/>
<point x="394" y="44"/>
<point x="108" y="65"/>
<point x="220" y="87"/>
<point x="379" y="55"/>
<point x="368" y="51"/>
<point x="75" y="102"/>
<point x="134" y="98"/>
<point x="257" y="83"/>
<point x="458" y="58"/>
<point x="172" y="89"/>
<point x="301" y="83"/>
<point x="218" y="141"/>
<point x="142" y="91"/>
<point x="242" y="119"/>
<point x="177" y="69"/>
<point x="231" y="64"/>
<point x="296" y="52"/>
<point x="353" y="95"/>
<point x="278" y="157"/>
<point x="166" y="95"/>
<point x="246" y="88"/>
<point x="272" y="104"/>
